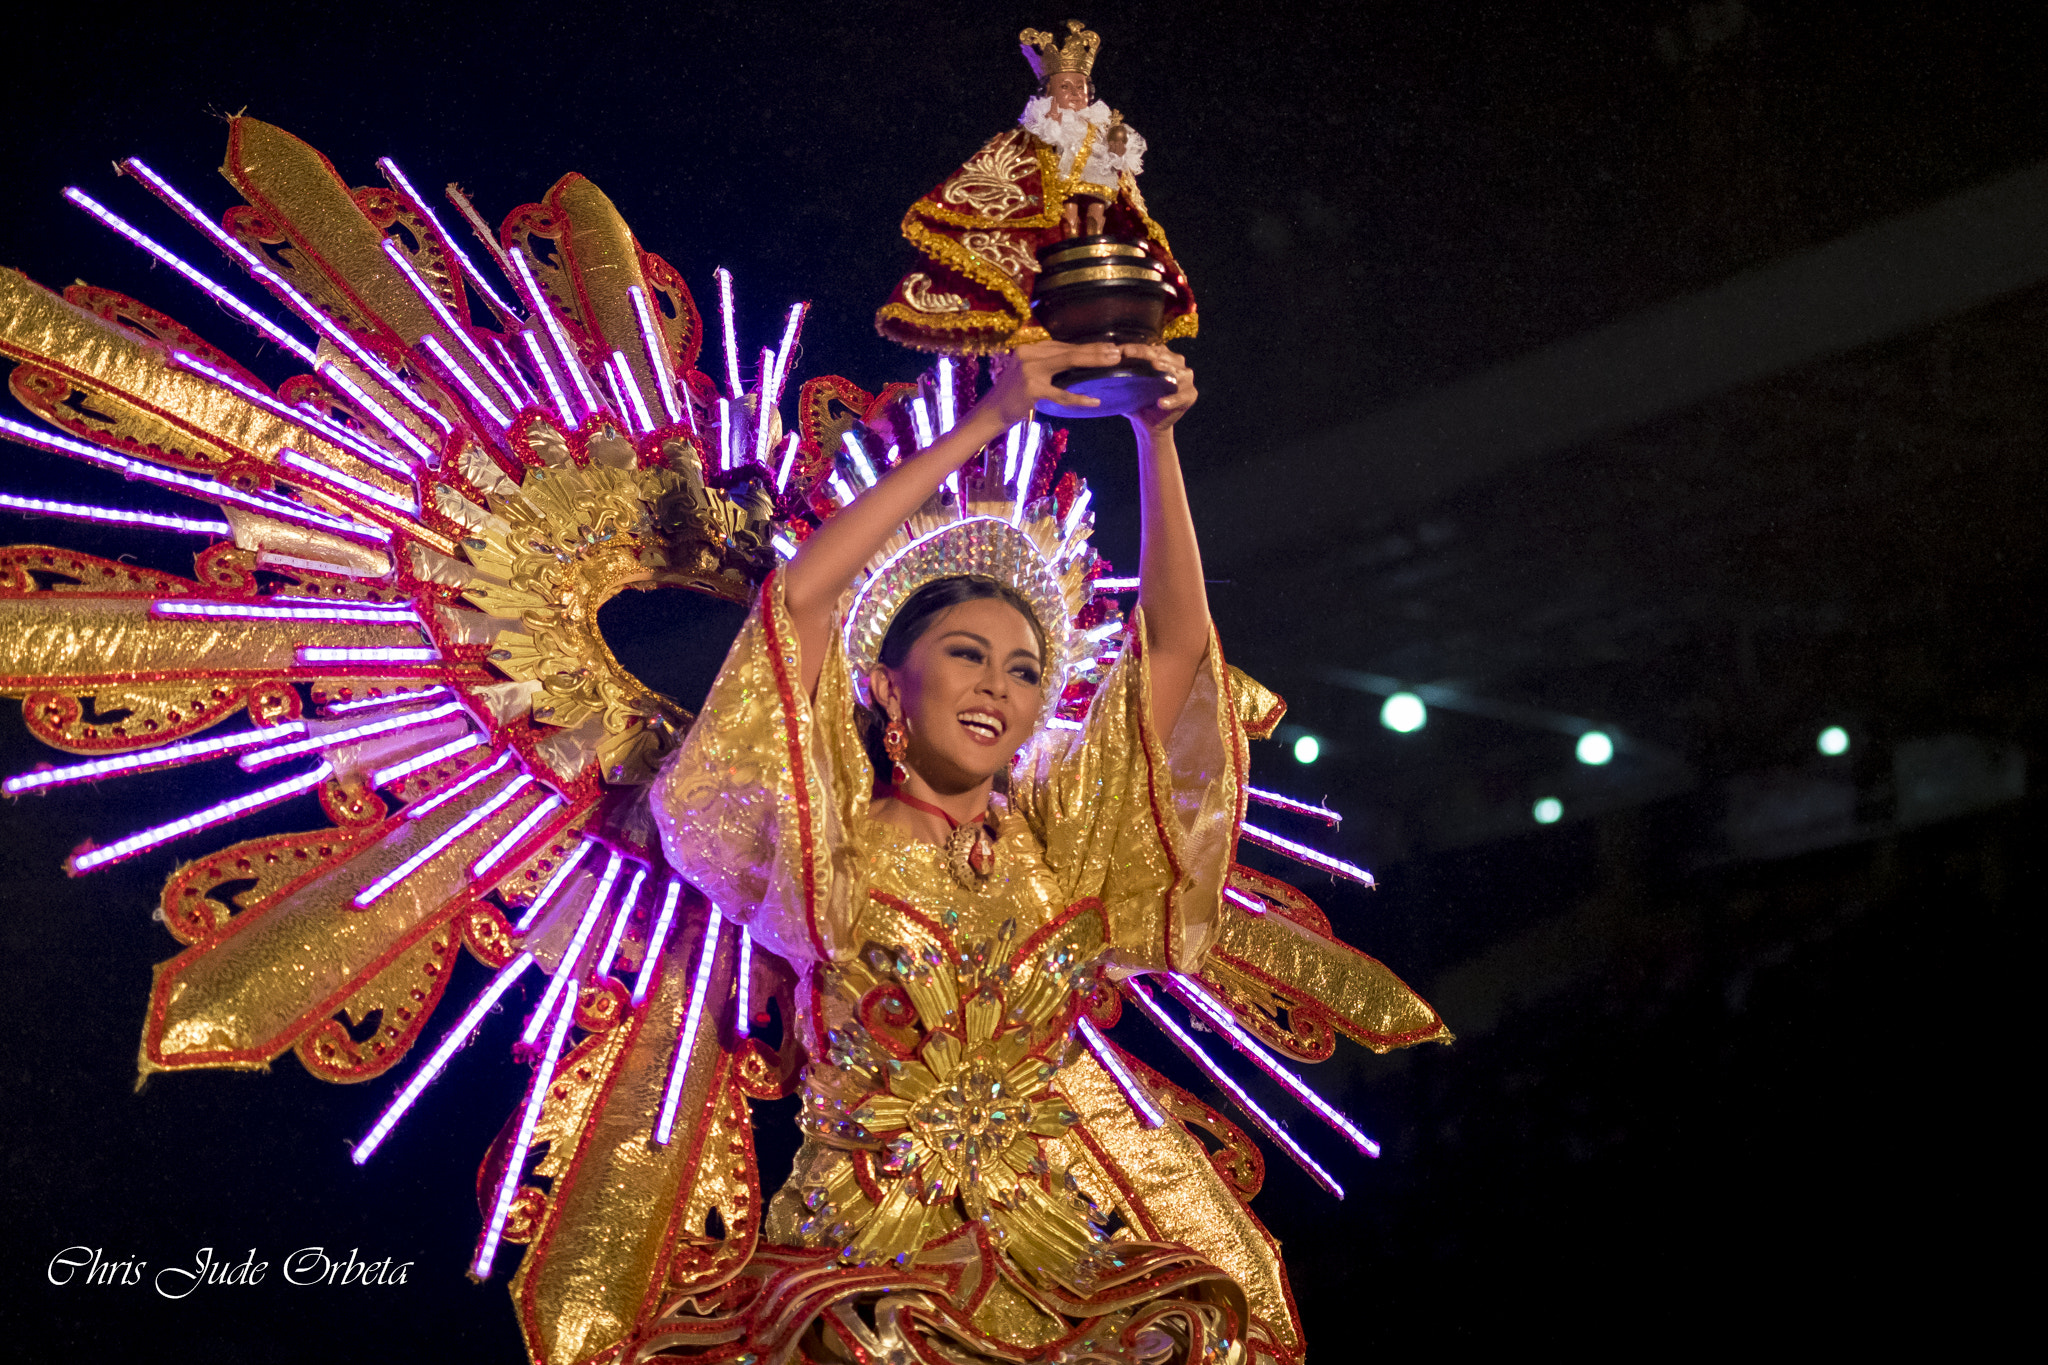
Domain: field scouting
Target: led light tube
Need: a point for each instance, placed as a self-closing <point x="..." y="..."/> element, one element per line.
<point x="553" y="884"/>
<point x="438" y="1062"/>
<point x="263" y="758"/>
<point x="497" y="851"/>
<point x="446" y="316"/>
<point x="656" y="941"/>
<point x="620" y="918"/>
<point x="565" y="970"/>
<point x="538" y="302"/>
<point x="172" y="756"/>
<point x="420" y="206"/>
<point x="212" y="290"/>
<point x="687" y="1039"/>
<point x="1266" y="798"/>
<point x="212" y="815"/>
<point x="369" y="895"/>
<point x="657" y="353"/>
<point x="388" y="699"/>
<point x="1190" y="993"/>
<point x="508" y="1184"/>
<point x="113" y="516"/>
<point x="1135" y="1094"/>
<point x="462" y="783"/>
<point x="384" y="777"/>
<point x="1302" y="853"/>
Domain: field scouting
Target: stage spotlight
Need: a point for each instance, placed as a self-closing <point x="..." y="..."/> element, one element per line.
<point x="1403" y="713"/>
<point x="1595" y="748"/>
<point x="1307" y="749"/>
<point x="1548" y="811"/>
<point x="1833" y="741"/>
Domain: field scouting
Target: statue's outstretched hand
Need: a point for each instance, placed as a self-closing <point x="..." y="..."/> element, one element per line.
<point x="1161" y="416"/>
<point x="1025" y="377"/>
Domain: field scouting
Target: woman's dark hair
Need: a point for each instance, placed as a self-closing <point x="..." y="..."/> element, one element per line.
<point x="913" y="619"/>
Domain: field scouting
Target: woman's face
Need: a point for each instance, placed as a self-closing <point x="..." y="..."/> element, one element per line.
<point x="968" y="692"/>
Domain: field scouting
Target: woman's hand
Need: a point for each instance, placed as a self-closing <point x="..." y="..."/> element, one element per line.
<point x="1026" y="378"/>
<point x="1160" y="417"/>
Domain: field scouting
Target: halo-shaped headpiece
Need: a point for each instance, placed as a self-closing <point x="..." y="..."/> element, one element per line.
<point x="975" y="547"/>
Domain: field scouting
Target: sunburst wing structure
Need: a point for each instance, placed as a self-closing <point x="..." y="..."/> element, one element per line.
<point x="396" y="613"/>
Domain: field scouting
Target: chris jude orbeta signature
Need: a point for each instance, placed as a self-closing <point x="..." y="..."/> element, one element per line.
<point x="307" y="1266"/>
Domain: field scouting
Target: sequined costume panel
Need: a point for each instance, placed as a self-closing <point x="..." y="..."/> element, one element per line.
<point x="944" y="1138"/>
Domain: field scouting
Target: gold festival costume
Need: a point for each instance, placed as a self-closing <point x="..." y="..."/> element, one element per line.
<point x="395" y="615"/>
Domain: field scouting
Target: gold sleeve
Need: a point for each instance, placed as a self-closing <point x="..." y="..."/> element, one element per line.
<point x="758" y="805"/>
<point x="1143" y="822"/>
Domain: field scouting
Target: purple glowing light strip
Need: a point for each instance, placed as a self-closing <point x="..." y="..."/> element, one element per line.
<point x="1302" y="853"/>
<point x="630" y="387"/>
<point x="377" y="413"/>
<point x="462" y="783"/>
<point x="388" y="699"/>
<point x="1251" y="905"/>
<point x="1075" y="513"/>
<point x="1012" y="443"/>
<point x="269" y="560"/>
<point x="436" y="1064"/>
<point x="397" y="180"/>
<point x="945" y="394"/>
<point x="657" y="941"/>
<point x="153" y="758"/>
<point x="1266" y="798"/>
<point x="788" y="461"/>
<point x="508" y="1184"/>
<point x="1190" y="993"/>
<point x="384" y="777"/>
<point x="212" y="815"/>
<point x="724" y="434"/>
<point x="1259" y="1117"/>
<point x="732" y="349"/>
<point x="206" y="489"/>
<point x="298" y="416"/>
<point x="537" y="303"/>
<point x="263" y="758"/>
<point x="565" y="970"/>
<point x="687" y="1039"/>
<point x="369" y="895"/>
<point x="349" y="654"/>
<point x="657" y="353"/>
<point x="861" y="464"/>
<point x="496" y="852"/>
<point x="741" y="1023"/>
<point x="213" y="291"/>
<point x="1024" y="471"/>
<point x="547" y="374"/>
<point x="553" y="884"/>
<point x="790" y="329"/>
<point x="619" y="922"/>
<point x="611" y="381"/>
<point x="764" y="406"/>
<point x="1134" y="1094"/>
<point x="263" y="611"/>
<point x="1115" y="585"/>
<point x="348" y="483"/>
<point x="446" y="317"/>
<point x="432" y="346"/>
<point x="921" y="418"/>
<point x="284" y="289"/>
<point x="114" y="516"/>
<point x="527" y="397"/>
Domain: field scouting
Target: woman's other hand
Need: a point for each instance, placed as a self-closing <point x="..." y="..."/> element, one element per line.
<point x="1160" y="416"/>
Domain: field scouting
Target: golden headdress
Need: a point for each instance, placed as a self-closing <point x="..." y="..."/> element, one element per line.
<point x="1046" y="56"/>
<point x="1031" y="548"/>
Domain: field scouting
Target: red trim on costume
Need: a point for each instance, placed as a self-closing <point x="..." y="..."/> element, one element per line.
<point x="806" y="833"/>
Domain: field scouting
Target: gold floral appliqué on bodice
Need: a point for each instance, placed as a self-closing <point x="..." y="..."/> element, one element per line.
<point x="937" y="1084"/>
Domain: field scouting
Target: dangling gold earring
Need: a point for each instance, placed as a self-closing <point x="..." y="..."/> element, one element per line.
<point x="896" y="743"/>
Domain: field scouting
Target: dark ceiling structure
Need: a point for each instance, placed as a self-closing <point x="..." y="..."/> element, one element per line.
<point x="1674" y="369"/>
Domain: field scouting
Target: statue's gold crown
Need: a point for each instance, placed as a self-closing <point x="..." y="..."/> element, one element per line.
<point x="1046" y="55"/>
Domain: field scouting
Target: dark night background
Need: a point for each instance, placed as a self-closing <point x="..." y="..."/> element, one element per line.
<point x="1674" y="366"/>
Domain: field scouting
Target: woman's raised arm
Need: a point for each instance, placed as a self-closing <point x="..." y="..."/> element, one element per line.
<point x="827" y="562"/>
<point x="1170" y="587"/>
